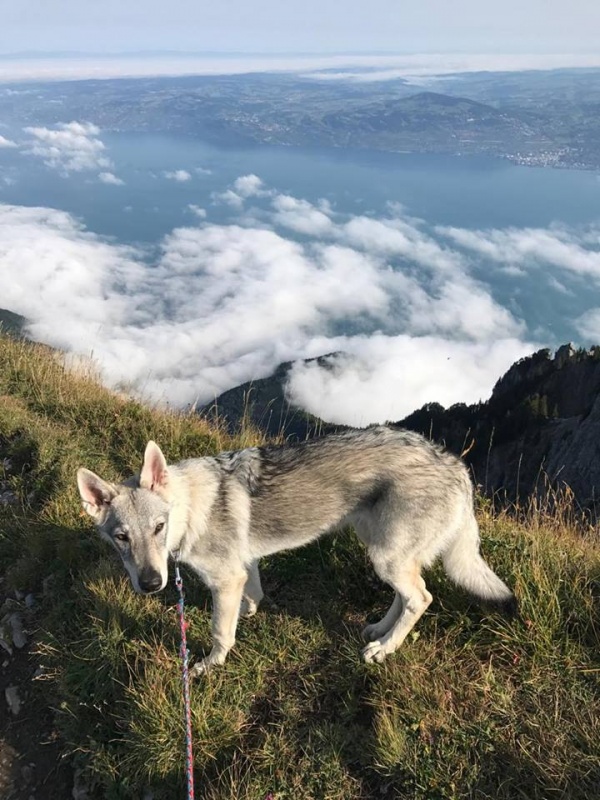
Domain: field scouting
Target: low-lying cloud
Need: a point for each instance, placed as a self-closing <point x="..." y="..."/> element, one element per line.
<point x="71" y="147"/>
<point x="284" y="280"/>
<point x="178" y="175"/>
<point x="111" y="179"/>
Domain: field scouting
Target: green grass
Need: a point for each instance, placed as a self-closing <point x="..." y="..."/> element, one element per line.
<point x="472" y="706"/>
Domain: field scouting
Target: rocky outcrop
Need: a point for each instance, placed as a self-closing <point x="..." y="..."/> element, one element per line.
<point x="541" y="424"/>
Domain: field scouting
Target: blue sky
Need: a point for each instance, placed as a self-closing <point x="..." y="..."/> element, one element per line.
<point x="266" y="26"/>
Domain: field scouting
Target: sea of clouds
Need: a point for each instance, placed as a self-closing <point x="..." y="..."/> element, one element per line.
<point x="285" y="279"/>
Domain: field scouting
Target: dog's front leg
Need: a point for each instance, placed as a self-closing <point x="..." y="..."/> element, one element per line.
<point x="253" y="592"/>
<point x="226" y="597"/>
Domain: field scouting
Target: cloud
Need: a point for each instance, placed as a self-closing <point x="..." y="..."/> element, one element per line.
<point x="69" y="147"/>
<point x="527" y="248"/>
<point x="110" y="178"/>
<point x="383" y="378"/>
<point x="179" y="175"/>
<point x="301" y="216"/>
<point x="248" y="186"/>
<point x="197" y="210"/>
<point x="588" y="324"/>
<point x="5" y="143"/>
<point x="244" y="187"/>
<point x="203" y="171"/>
<point x="337" y="66"/>
<point x="225" y="303"/>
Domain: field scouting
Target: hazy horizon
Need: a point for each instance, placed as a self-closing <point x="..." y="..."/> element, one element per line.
<point x="29" y="66"/>
<point x="268" y="26"/>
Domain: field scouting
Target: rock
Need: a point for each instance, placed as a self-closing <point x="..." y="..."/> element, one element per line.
<point x="11" y="693"/>
<point x="80" y="789"/>
<point x="27" y="773"/>
<point x="8" y="498"/>
<point x="18" y="634"/>
<point x="5" y="646"/>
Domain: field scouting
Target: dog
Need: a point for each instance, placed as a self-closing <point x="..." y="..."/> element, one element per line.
<point x="408" y="500"/>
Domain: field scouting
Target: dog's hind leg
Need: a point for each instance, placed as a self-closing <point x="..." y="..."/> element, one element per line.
<point x="415" y="598"/>
<point x="378" y="629"/>
<point x="253" y="592"/>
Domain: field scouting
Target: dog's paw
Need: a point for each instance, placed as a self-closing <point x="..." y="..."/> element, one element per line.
<point x="213" y="659"/>
<point x="374" y="652"/>
<point x="248" y="607"/>
<point x="373" y="632"/>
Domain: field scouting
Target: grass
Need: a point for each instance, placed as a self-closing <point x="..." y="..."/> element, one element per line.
<point x="472" y="706"/>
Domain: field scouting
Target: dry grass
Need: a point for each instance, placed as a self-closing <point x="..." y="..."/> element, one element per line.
<point x="471" y="707"/>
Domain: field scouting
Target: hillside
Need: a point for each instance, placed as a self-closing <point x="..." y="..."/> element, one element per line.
<point x="472" y="706"/>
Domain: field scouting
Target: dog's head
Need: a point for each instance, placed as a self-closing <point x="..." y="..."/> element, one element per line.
<point x="134" y="518"/>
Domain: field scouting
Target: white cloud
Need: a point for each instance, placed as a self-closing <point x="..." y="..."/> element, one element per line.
<point x="244" y="187"/>
<point x="69" y="147"/>
<point x="179" y="175"/>
<point x="197" y="210"/>
<point x="203" y="171"/>
<point x="588" y="324"/>
<point x="225" y="303"/>
<point x="524" y="248"/>
<point x="4" y="142"/>
<point x="301" y="216"/>
<point x="110" y="178"/>
<point x="248" y="185"/>
<point x="390" y="66"/>
<point x="383" y="378"/>
<point x="228" y="197"/>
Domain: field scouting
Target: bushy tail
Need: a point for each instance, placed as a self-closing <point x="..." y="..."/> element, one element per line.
<point x="465" y="566"/>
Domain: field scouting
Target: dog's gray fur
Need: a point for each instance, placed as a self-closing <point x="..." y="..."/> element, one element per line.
<point x="408" y="500"/>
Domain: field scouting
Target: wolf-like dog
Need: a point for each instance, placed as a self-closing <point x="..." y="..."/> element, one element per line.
<point x="408" y="500"/>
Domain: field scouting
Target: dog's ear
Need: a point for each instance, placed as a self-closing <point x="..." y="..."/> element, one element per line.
<point x="154" y="474"/>
<point x="96" y="494"/>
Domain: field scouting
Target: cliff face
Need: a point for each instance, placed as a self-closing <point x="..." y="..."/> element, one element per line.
<point x="541" y="422"/>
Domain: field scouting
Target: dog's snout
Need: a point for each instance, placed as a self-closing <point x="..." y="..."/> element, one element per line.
<point x="150" y="581"/>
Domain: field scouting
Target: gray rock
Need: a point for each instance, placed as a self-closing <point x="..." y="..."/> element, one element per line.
<point x="18" y="634"/>
<point x="8" y="498"/>
<point x="80" y="790"/>
<point x="11" y="693"/>
<point x="5" y="645"/>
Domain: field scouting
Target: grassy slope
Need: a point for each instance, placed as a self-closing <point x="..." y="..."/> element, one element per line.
<point x="472" y="706"/>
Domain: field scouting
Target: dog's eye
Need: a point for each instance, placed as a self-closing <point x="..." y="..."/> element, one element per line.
<point x="121" y="537"/>
<point x="159" y="528"/>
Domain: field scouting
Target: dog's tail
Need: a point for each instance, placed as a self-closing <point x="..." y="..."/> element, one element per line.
<point x="465" y="566"/>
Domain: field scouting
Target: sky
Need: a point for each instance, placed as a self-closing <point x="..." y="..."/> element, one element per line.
<point x="273" y="26"/>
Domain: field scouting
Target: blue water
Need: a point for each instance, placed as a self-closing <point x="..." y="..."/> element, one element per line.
<point x="468" y="192"/>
